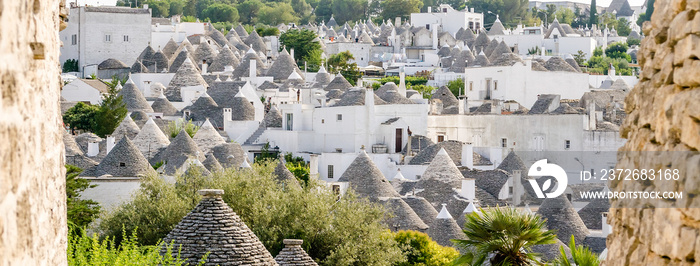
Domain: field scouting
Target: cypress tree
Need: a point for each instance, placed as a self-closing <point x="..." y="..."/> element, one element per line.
<point x="594" y="14"/>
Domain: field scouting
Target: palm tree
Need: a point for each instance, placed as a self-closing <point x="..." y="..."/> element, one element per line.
<point x="504" y="236"/>
<point x="580" y="256"/>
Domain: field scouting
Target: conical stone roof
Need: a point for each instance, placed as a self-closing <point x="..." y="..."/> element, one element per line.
<point x="293" y="255"/>
<point x="450" y="104"/>
<point x="124" y="160"/>
<point x="212" y="164"/>
<point x="592" y="213"/>
<point x="283" y="67"/>
<point x="242" y="33"/>
<point x="126" y="128"/>
<point x="481" y="42"/>
<point x="242" y="109"/>
<point x="482" y="60"/>
<point x="400" y="216"/>
<point x="497" y="28"/>
<point x="500" y="49"/>
<point x="284" y="176"/>
<point x="151" y="139"/>
<point x="157" y="63"/>
<point x="511" y="163"/>
<point x="186" y="75"/>
<point x="243" y="68"/>
<point x="223" y="59"/>
<point x="366" y="179"/>
<point x="206" y="108"/>
<point x="506" y="59"/>
<point x="229" y="154"/>
<point x="162" y="105"/>
<point x="74" y="155"/>
<point x="573" y="64"/>
<point x="181" y="145"/>
<point x="178" y="59"/>
<point x="558" y="64"/>
<point x="138" y="67"/>
<point x="212" y="227"/>
<point x="204" y="52"/>
<point x="422" y="208"/>
<point x="445" y="228"/>
<point x="441" y="170"/>
<point x="254" y="41"/>
<point x="133" y="98"/>
<point x="207" y="137"/>
<point x="561" y="216"/>
<point x="273" y="118"/>
<point x="393" y="97"/>
<point x="218" y="37"/>
<point x="339" y="83"/>
<point x="170" y="48"/>
<point x="146" y="54"/>
<point x="381" y="92"/>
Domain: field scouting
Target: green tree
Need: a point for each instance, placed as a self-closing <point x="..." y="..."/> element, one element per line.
<point x="425" y="90"/>
<point x="421" y="250"/>
<point x="593" y="15"/>
<point x="607" y="20"/>
<point x="618" y="50"/>
<point x="580" y="57"/>
<point x="190" y="8"/>
<point x="159" y="9"/>
<point x="221" y="13"/>
<point x="509" y="11"/>
<point x="301" y="8"/>
<point x="565" y="15"/>
<point x="631" y="42"/>
<point x="267" y="31"/>
<point x="276" y="13"/>
<point x="349" y="10"/>
<point x="580" y="256"/>
<point x="505" y="235"/>
<point x="177" y="7"/>
<point x="302" y="41"/>
<point x="174" y="128"/>
<point x="81" y="116"/>
<point x="71" y="65"/>
<point x="80" y="212"/>
<point x="336" y="231"/>
<point x="248" y="11"/>
<point x="340" y="63"/>
<point x="646" y="16"/>
<point x="313" y="60"/>
<point x="400" y="8"/>
<point x="323" y="11"/>
<point x="456" y="86"/>
<point x="623" y="27"/>
<point x="111" y="112"/>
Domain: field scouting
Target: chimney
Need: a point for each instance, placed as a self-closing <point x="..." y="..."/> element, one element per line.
<point x="468" y="155"/>
<point x="517" y="187"/>
<point x="472" y="10"/>
<point x="204" y="67"/>
<point x="252" y="70"/>
<point x="607" y="229"/>
<point x="468" y="189"/>
<point x="591" y="116"/>
<point x="402" y="82"/>
<point x="461" y="105"/>
<point x="228" y="114"/>
<point x="397" y="22"/>
<point x="313" y="166"/>
<point x="110" y="143"/>
<point x="430" y="9"/>
<point x="291" y="52"/>
<point x="93" y="149"/>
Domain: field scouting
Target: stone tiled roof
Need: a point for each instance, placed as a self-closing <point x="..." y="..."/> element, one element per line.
<point x="334" y="94"/>
<point x="445" y="229"/>
<point x="386" y="87"/>
<point x="506" y="59"/>
<point x="242" y="109"/>
<point x="490" y="181"/>
<point x="565" y="108"/>
<point x="356" y="96"/>
<point x="427" y="154"/>
<point x="482" y="60"/>
<point x="229" y="154"/>
<point x="273" y="118"/>
<point x="622" y="7"/>
<point x="138" y="67"/>
<point x="536" y="66"/>
<point x="112" y="63"/>
<point x="212" y="227"/>
<point x="400" y="216"/>
<point x="242" y="33"/>
<point x="620" y="84"/>
<point x="206" y="108"/>
<point x="74" y="155"/>
<point x="267" y="85"/>
<point x="393" y="97"/>
<point x="461" y="60"/>
<point x="284" y="176"/>
<point x="511" y="163"/>
<point x="254" y="41"/>
<point x="151" y="140"/>
<point x="561" y="216"/>
<point x="283" y="67"/>
<point x="124" y="160"/>
<point x="595" y="243"/>
<point x="186" y="75"/>
<point x="322" y="77"/>
<point x="223" y="59"/>
<point x="541" y="106"/>
<point x="181" y="145"/>
<point x="422" y="208"/>
<point x="243" y="68"/>
<point x="207" y="137"/>
<point x="418" y="143"/>
<point x="126" y="128"/>
<point x="491" y="47"/>
<point x="170" y="48"/>
<point x="573" y="64"/>
<point x="223" y="92"/>
<point x="212" y="164"/>
<point x="555" y="25"/>
<point x="441" y="169"/>
<point x="204" y="52"/>
<point x="339" y="82"/>
<point x="557" y="64"/>
<point x="132" y="97"/>
<point x="179" y="58"/>
<point x="217" y="36"/>
<point x="449" y="101"/>
<point x="293" y="255"/>
<point x="497" y="28"/>
<point x="162" y="105"/>
<point x="157" y="63"/>
<point x="592" y="213"/>
<point x="366" y="179"/>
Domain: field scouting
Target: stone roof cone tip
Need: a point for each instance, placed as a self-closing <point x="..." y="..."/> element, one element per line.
<point x="444" y="214"/>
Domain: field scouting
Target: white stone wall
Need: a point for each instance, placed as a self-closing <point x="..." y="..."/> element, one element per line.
<point x="32" y="177"/>
<point x="451" y="21"/>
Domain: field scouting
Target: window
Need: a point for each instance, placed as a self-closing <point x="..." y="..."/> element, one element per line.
<point x="108" y="38"/>
<point x="290" y="121"/>
<point x="567" y="144"/>
<point x="126" y="38"/>
<point x="122" y="164"/>
<point x="444" y="10"/>
<point x="330" y="171"/>
<point x="441" y="138"/>
<point x="504" y="143"/>
<point x="495" y="85"/>
<point x="339" y="117"/>
<point x="427" y="26"/>
<point x="556" y="36"/>
<point x="336" y="189"/>
<point x="471" y="25"/>
<point x="74" y="39"/>
<point x="323" y="121"/>
<point x="471" y="86"/>
<point x="478" y="26"/>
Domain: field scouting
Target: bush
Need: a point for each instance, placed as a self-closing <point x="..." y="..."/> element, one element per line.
<point x="81" y="212"/>
<point x="71" y="65"/>
<point x="631" y="42"/>
<point x="345" y="231"/>
<point x="410" y="80"/>
<point x="174" y="128"/>
<point x="421" y="250"/>
<point x="425" y="90"/>
<point x="456" y="86"/>
<point x="90" y="250"/>
<point x="580" y="256"/>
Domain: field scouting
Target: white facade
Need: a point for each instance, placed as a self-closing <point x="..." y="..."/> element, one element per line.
<point x="178" y="31"/>
<point x="450" y="20"/>
<point x="80" y="90"/>
<point x="95" y="34"/>
<point x="520" y="83"/>
<point x="361" y="51"/>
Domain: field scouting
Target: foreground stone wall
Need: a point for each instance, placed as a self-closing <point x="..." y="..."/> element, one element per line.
<point x="664" y="115"/>
<point x="32" y="182"/>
